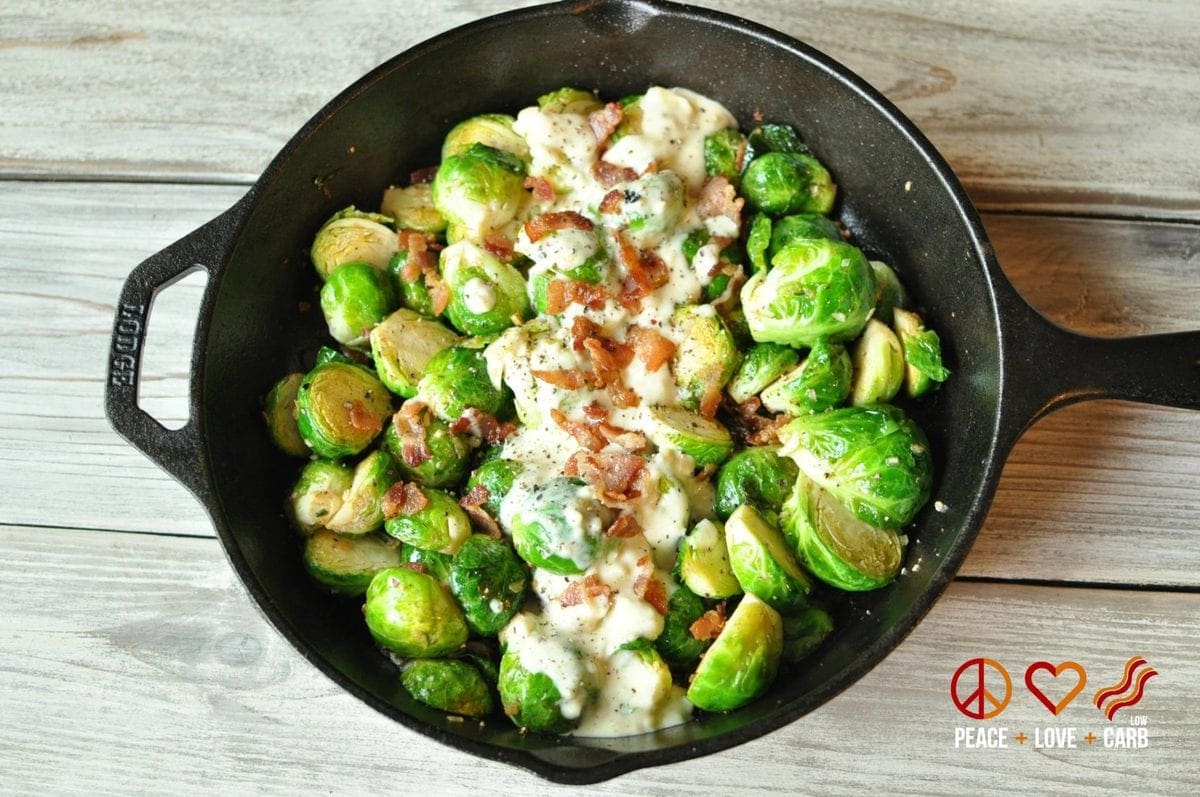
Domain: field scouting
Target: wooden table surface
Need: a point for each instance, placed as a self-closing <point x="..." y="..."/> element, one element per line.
<point x="131" y="660"/>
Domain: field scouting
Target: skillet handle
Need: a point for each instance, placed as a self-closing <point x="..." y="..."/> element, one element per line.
<point x="177" y="451"/>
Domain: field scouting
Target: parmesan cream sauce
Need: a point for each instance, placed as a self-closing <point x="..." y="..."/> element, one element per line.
<point x="610" y="690"/>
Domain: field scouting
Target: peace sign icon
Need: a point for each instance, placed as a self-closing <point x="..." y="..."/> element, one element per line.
<point x="969" y="688"/>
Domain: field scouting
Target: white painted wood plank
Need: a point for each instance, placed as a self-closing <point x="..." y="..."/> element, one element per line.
<point x="1077" y="105"/>
<point x="136" y="663"/>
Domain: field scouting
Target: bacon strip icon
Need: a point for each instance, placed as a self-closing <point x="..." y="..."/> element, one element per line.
<point x="1127" y="692"/>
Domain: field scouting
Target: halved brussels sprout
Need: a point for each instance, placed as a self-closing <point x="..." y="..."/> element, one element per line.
<point x="762" y="561"/>
<point x="490" y="582"/>
<point x="449" y="455"/>
<point x="486" y="294"/>
<point x="654" y="205"/>
<point x="703" y="439"/>
<point x="706" y="356"/>
<point x="414" y="293"/>
<point x="403" y="344"/>
<point x="441" y="525"/>
<point x="878" y="365"/>
<point x="411" y="614"/>
<point x="450" y="685"/>
<point x="639" y="683"/>
<point x="762" y="365"/>
<point x="676" y="643"/>
<point x="742" y="662"/>
<point x="479" y="190"/>
<point x="837" y="547"/>
<point x="340" y="409"/>
<point x="703" y="563"/>
<point x="347" y="564"/>
<point x="317" y="495"/>
<point x="889" y="291"/>
<point x="758" y="241"/>
<point x="815" y="289"/>
<point x="822" y="381"/>
<point x="492" y="129"/>
<point x="569" y="100"/>
<point x="457" y="378"/>
<point x="496" y="476"/>
<point x="726" y="153"/>
<point x="279" y="411"/>
<point x="531" y="699"/>
<point x="559" y="527"/>
<point x="757" y="476"/>
<point x="873" y="459"/>
<point x="922" y="353"/>
<point x="804" y="631"/>
<point x="354" y="299"/>
<point x="361" y="511"/>
<point x="801" y="226"/>
<point x="412" y="208"/>
<point x="777" y="138"/>
<point x="435" y="563"/>
<point x="779" y="183"/>
<point x="352" y="236"/>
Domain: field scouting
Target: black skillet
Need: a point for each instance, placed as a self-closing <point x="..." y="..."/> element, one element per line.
<point x="898" y="196"/>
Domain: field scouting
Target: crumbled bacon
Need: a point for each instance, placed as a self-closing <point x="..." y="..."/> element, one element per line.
<point x="539" y="227"/>
<point x="411" y="422"/>
<point x="709" y="625"/>
<point x="439" y="293"/>
<point x="719" y="198"/>
<point x="567" y="379"/>
<point x="473" y="503"/>
<point x="605" y="121"/>
<point x="609" y="174"/>
<point x="651" y="347"/>
<point x="542" y="190"/>
<point x="612" y="202"/>
<point x="645" y="270"/>
<point x="423" y="175"/>
<point x="583" y="433"/>
<point x="478" y="423"/>
<point x="362" y="419"/>
<point x="649" y="588"/>
<point x="403" y="498"/>
<point x="420" y="258"/>
<point x="594" y="411"/>
<point x="608" y="359"/>
<point x="590" y="587"/>
<point x="626" y="439"/>
<point x="616" y="475"/>
<point x="499" y="246"/>
<point x="581" y="329"/>
<point x="624" y="526"/>
<point x="561" y="294"/>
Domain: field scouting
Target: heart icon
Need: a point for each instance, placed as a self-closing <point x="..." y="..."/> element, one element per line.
<point x="1056" y="670"/>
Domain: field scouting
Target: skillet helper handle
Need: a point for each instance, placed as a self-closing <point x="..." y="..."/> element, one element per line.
<point x="177" y="451"/>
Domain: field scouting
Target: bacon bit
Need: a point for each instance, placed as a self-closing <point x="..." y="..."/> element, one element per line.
<point x="710" y="402"/>
<point x="403" y="498"/>
<point x="499" y="246"/>
<point x="439" y="293"/>
<point x="594" y="411"/>
<point x="649" y="588"/>
<point x="478" y="423"/>
<point x="609" y="174"/>
<point x="411" y="422"/>
<point x="584" y="434"/>
<point x="541" y="226"/>
<point x="718" y="198"/>
<point x="605" y="121"/>
<point x="616" y="475"/>
<point x="472" y="503"/>
<point x="754" y="428"/>
<point x="757" y="116"/>
<point x="622" y="395"/>
<point x="581" y="330"/>
<point x="423" y="175"/>
<point x="564" y="378"/>
<point x="561" y="294"/>
<point x="626" y="439"/>
<point x="646" y="271"/>
<point x="623" y="527"/>
<point x="651" y="347"/>
<point x="739" y="162"/>
<point x="420" y="259"/>
<point x="577" y="591"/>
<point x="612" y="202"/>
<point x="361" y="418"/>
<point x="417" y="567"/>
<point x="542" y="190"/>
<point x="608" y="357"/>
<point x="709" y="625"/>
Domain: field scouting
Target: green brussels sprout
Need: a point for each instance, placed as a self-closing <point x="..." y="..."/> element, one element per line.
<point x="726" y="152"/>
<point x="411" y="614"/>
<point x="480" y="654"/>
<point x="799" y="227"/>
<point x="451" y="685"/>
<point x="491" y="129"/>
<point x="279" y="412"/>
<point x="414" y="293"/>
<point x="340" y="409"/>
<point x="654" y="205"/>
<point x="741" y="664"/>
<point x="490" y="582"/>
<point x="435" y="563"/>
<point x="317" y="495"/>
<point x="804" y="631"/>
<point x="351" y="236"/>
<point x="631" y="121"/>
<point x="569" y="100"/>
<point x="776" y="138"/>
<point x="693" y="242"/>
<point x="706" y="357"/>
<point x="758" y="477"/>
<point x="638" y="662"/>
<point x="815" y="289"/>
<point x="922" y="353"/>
<point x="479" y="190"/>
<point x="347" y="564"/>
<point x="559" y="527"/>
<point x="703" y="439"/>
<point x="412" y="208"/>
<point x="354" y="299"/>
<point x="780" y="183"/>
<point x="703" y="563"/>
<point x="758" y="241"/>
<point x="457" y="378"/>
<point x="361" y="511"/>
<point x="403" y="344"/>
<point x="531" y="699"/>
<point x="739" y="328"/>
<point x="486" y="293"/>
<point x="837" y="547"/>
<point x="325" y="354"/>
<point x="762" y="561"/>
<point x="762" y="365"/>
<point x="441" y="525"/>
<point x="873" y="459"/>
<point x="676" y="643"/>
<point x="822" y="381"/>
<point x="878" y="365"/>
<point x="449" y="454"/>
<point x="889" y="291"/>
<point x="496" y="476"/>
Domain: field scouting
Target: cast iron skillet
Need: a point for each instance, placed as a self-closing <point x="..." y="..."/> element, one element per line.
<point x="898" y="196"/>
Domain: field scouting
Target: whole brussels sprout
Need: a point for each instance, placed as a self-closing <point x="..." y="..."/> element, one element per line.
<point x="496" y="476"/>
<point x="873" y="459"/>
<point x="742" y="662"/>
<point x="486" y="293"/>
<point x="763" y="562"/>
<point x="402" y="346"/>
<point x="777" y="138"/>
<point x="279" y="412"/>
<point x="317" y="495"/>
<point x="822" y="381"/>
<point x="889" y="291"/>
<point x="354" y="299"/>
<point x="703" y="563"/>
<point x="450" y="685"/>
<point x="559" y="527"/>
<point x="654" y="205"/>
<point x="479" y="190"/>
<point x="361" y="511"/>
<point x="347" y="564"/>
<point x="449" y="455"/>
<point x="780" y="183"/>
<point x="762" y="365"/>
<point x="726" y="152"/>
<point x="457" y="378"/>
<point x="703" y="439"/>
<point x="353" y="236"/>
<point x="676" y="643"/>
<point x="922" y="353"/>
<point x="758" y="477"/>
<point x="569" y="100"/>
<point x="878" y="365"/>
<point x="441" y="525"/>
<point x="340" y="409"/>
<point x="804" y="631"/>
<point x="411" y="614"/>
<point x="412" y="208"/>
<point x="531" y="699"/>
<point x="815" y="289"/>
<point x="706" y="356"/>
<point x="490" y="582"/>
<point x="801" y="226"/>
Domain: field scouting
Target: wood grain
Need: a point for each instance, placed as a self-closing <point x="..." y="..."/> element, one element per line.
<point x="1076" y="106"/>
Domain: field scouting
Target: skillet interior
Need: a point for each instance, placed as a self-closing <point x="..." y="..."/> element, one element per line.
<point x="393" y="121"/>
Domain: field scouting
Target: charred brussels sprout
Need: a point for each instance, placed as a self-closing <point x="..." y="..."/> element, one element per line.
<point x="804" y="631"/>
<point x="450" y="685"/>
<point x="486" y="294"/>
<point x="725" y="154"/>
<point x="703" y="563"/>
<point x="531" y="699"/>
<point x="457" y="378"/>
<point x="496" y="476"/>
<point x="822" y="381"/>
<point x="676" y="643"/>
<point x="494" y="130"/>
<point x="361" y="511"/>
<point x="413" y="209"/>
<point x="340" y="409"/>
<point x="354" y="299"/>
<point x="347" y="564"/>
<point x="799" y="227"/>
<point x="490" y="582"/>
<point x="742" y="662"/>
<point x="878" y="365"/>
<point x="353" y="236"/>
<point x="411" y="614"/>
<point x="779" y="183"/>
<point x="758" y="477"/>
<point x="317" y="495"/>
<point x="279" y="412"/>
<point x="440" y="525"/>
<point x="654" y="204"/>
<point x="873" y="459"/>
<point x="703" y="439"/>
<point x="403" y="344"/>
<point x="706" y="357"/>
<point x="479" y="190"/>
<point x="922" y="353"/>
<point x="559" y="527"/>
<point x="815" y="289"/>
<point x="569" y="100"/>
<point x="448" y="453"/>
<point x="762" y="365"/>
<point x="762" y="561"/>
<point x="889" y="291"/>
